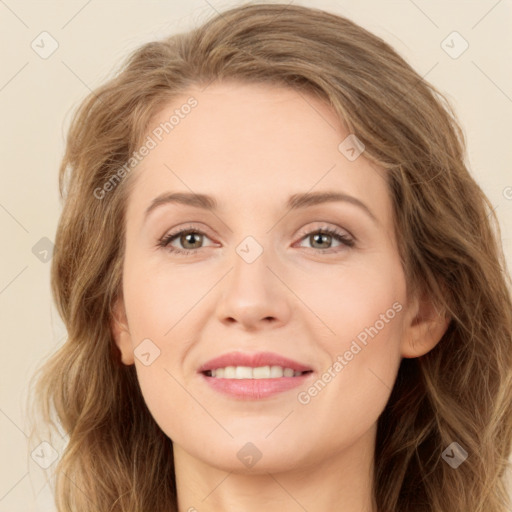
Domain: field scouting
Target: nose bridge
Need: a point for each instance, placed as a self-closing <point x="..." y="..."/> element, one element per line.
<point x="250" y="272"/>
<point x="252" y="243"/>
<point x="251" y="292"/>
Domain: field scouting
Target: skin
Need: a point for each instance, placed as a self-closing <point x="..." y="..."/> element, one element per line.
<point x="251" y="147"/>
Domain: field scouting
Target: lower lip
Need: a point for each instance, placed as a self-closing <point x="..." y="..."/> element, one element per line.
<point x="254" y="389"/>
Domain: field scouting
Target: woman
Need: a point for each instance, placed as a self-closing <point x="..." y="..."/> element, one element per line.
<point x="219" y="359"/>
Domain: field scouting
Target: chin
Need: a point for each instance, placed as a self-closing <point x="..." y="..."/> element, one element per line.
<point x="248" y="455"/>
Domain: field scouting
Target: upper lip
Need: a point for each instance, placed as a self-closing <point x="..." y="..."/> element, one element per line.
<point x="253" y="360"/>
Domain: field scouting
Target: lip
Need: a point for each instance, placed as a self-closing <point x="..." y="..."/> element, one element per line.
<point x="253" y="389"/>
<point x="254" y="361"/>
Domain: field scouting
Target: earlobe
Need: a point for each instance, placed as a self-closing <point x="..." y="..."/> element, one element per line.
<point x="121" y="332"/>
<point x="426" y="327"/>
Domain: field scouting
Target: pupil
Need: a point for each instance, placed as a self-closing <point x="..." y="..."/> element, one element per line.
<point x="320" y="235"/>
<point x="188" y="236"/>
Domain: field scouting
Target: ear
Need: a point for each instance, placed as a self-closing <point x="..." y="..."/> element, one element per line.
<point x="121" y="332"/>
<point x="425" y="326"/>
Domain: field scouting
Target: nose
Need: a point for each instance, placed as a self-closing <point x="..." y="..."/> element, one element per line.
<point x="253" y="295"/>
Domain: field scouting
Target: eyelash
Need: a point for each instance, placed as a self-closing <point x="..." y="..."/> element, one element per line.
<point x="167" y="239"/>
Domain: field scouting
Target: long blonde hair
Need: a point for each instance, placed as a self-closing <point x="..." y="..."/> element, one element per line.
<point x="117" y="458"/>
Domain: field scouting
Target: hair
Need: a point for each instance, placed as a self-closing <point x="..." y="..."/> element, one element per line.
<point x="117" y="458"/>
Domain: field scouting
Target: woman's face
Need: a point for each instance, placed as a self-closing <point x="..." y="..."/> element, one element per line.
<point x="263" y="281"/>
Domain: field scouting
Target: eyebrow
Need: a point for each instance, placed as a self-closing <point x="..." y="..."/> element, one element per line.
<point x="295" y="201"/>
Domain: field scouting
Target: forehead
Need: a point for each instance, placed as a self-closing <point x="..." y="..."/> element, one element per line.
<point x="250" y="144"/>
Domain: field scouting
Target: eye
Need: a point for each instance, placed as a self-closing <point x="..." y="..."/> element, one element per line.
<point x="192" y="238"/>
<point x="186" y="237"/>
<point x="324" y="236"/>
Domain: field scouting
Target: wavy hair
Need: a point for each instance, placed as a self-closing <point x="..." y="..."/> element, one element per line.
<point x="116" y="458"/>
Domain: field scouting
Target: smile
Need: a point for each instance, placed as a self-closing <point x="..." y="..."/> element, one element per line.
<point x="253" y="376"/>
<point x="247" y="372"/>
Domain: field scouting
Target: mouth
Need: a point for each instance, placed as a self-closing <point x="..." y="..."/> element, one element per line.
<point x="253" y="376"/>
<point x="248" y="372"/>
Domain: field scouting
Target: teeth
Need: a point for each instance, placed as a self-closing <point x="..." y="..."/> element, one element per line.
<point x="243" y="372"/>
<point x="261" y="372"/>
<point x="276" y="371"/>
<point x="230" y="372"/>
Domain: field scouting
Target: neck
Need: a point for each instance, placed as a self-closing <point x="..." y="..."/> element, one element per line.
<point x="339" y="481"/>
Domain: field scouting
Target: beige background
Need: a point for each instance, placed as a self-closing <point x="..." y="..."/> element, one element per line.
<point x="37" y="96"/>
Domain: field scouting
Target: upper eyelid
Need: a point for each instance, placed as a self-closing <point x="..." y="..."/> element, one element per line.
<point x="326" y="225"/>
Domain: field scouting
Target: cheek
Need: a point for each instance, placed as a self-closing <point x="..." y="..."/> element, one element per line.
<point x="157" y="297"/>
<point x="166" y="400"/>
<point x="351" y="300"/>
<point x="160" y="308"/>
<point x="363" y="309"/>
